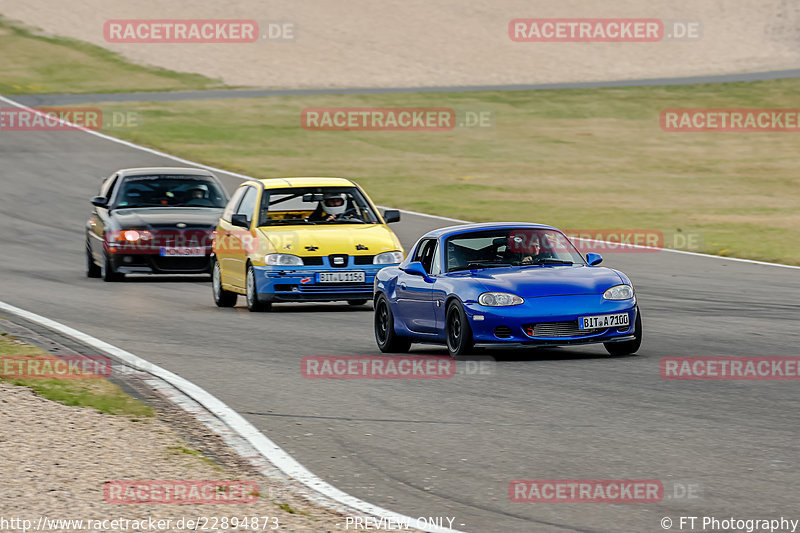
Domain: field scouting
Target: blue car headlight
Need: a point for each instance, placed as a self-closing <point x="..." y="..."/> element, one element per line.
<point x="619" y="292"/>
<point x="499" y="299"/>
<point x="388" y="258"/>
<point x="283" y="260"/>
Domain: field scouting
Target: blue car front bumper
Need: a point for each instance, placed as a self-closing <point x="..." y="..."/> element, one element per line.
<point x="302" y="283"/>
<point x="550" y="320"/>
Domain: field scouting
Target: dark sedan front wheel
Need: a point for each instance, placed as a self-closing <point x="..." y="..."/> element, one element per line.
<point x="107" y="271"/>
<point x="386" y="337"/>
<point x="459" y="333"/>
<point x="92" y="270"/>
<point x="628" y="347"/>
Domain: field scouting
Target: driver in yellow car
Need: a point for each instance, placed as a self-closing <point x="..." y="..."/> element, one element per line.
<point x="331" y="207"/>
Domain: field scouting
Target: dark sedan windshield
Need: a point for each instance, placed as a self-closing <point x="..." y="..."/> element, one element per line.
<point x="509" y="247"/>
<point x="169" y="191"/>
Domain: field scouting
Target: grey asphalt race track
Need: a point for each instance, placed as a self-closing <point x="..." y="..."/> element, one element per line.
<point x="442" y="447"/>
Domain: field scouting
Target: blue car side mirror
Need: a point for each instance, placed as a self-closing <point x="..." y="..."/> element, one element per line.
<point x="593" y="259"/>
<point x="415" y="268"/>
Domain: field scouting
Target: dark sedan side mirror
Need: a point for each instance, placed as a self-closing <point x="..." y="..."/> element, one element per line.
<point x="415" y="268"/>
<point x="391" y="215"/>
<point x="593" y="259"/>
<point x="100" y="201"/>
<point x="240" y="220"/>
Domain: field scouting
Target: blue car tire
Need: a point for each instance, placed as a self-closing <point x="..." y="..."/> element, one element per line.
<point x="387" y="338"/>
<point x="459" y="333"/>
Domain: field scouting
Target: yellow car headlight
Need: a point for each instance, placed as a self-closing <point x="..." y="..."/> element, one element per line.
<point x="283" y="260"/>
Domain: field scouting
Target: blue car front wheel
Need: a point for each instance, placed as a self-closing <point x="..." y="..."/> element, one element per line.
<point x="628" y="347"/>
<point x="386" y="337"/>
<point x="459" y="333"/>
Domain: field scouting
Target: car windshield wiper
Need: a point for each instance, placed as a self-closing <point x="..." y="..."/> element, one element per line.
<point x="288" y="222"/>
<point x="552" y="261"/>
<point x="134" y="206"/>
<point x="346" y="221"/>
<point x="478" y="264"/>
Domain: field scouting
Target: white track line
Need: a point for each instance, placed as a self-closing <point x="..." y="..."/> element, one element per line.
<point x="271" y="451"/>
<point x="244" y="177"/>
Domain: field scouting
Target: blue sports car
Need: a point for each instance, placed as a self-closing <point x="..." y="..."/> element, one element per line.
<point x="503" y="283"/>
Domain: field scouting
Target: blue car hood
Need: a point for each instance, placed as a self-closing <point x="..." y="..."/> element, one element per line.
<point x="548" y="280"/>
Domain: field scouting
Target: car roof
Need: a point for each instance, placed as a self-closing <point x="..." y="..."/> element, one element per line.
<point x="464" y="228"/>
<point x="282" y="183"/>
<point x="146" y="171"/>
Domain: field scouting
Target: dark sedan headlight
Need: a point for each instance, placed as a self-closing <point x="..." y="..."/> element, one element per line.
<point x="619" y="292"/>
<point x="130" y="235"/>
<point x="499" y="299"/>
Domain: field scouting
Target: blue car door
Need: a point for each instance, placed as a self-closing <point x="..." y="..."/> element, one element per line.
<point x="414" y="293"/>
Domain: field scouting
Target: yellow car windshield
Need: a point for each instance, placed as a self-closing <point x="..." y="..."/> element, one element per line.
<point x="315" y="205"/>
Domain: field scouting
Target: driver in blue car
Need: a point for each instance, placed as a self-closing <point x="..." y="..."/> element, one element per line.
<point x="332" y="207"/>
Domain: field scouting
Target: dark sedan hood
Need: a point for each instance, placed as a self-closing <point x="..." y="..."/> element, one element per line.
<point x="164" y="217"/>
<point x="549" y="280"/>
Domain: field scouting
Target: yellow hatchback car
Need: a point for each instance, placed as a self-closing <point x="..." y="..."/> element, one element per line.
<point x="300" y="240"/>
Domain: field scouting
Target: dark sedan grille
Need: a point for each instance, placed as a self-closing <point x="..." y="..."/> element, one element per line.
<point x="187" y="227"/>
<point x="172" y="237"/>
<point x="198" y="264"/>
<point x="557" y="329"/>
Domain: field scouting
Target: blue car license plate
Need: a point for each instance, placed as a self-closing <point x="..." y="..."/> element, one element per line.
<point x="604" y="321"/>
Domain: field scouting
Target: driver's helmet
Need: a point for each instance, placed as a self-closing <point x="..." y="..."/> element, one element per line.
<point x="334" y="203"/>
<point x="197" y="192"/>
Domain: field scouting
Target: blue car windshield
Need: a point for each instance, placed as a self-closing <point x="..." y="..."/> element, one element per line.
<point x="509" y="247"/>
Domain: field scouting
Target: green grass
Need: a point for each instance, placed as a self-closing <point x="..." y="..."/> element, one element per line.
<point x="289" y="509"/>
<point x="33" y="63"/>
<point x="181" y="449"/>
<point x="99" y="394"/>
<point x="572" y="158"/>
<point x="577" y="159"/>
